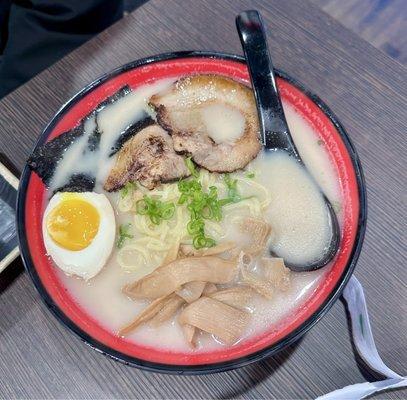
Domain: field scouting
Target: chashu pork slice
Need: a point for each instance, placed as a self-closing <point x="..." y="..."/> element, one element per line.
<point x="169" y="278"/>
<point x="212" y="118"/>
<point x="149" y="158"/>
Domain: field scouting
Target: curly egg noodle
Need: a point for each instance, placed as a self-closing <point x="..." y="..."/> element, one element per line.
<point x="152" y="245"/>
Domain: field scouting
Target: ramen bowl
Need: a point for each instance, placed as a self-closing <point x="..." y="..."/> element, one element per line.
<point x="32" y="197"/>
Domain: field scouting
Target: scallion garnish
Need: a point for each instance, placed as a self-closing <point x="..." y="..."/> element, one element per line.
<point x="191" y="166"/>
<point x="155" y="209"/>
<point x="201" y="206"/>
<point x="127" y="189"/>
<point x="231" y="185"/>
<point x="123" y="234"/>
<point x="204" y="205"/>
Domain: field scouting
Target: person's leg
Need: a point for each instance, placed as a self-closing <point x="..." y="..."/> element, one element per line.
<point x="42" y="31"/>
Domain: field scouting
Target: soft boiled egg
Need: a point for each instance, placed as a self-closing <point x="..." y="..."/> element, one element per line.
<point x="79" y="232"/>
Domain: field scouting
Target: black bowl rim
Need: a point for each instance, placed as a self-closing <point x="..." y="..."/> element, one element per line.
<point x="200" y="368"/>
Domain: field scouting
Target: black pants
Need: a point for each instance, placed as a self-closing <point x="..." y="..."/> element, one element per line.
<point x="36" y="33"/>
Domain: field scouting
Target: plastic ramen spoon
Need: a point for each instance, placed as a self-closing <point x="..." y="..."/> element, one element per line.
<point x="275" y="134"/>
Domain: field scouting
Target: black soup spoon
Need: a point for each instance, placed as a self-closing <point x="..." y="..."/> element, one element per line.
<point x="275" y="134"/>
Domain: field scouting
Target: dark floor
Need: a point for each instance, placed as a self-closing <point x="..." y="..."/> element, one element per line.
<point x="383" y="23"/>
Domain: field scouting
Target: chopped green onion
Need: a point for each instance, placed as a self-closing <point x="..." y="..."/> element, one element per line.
<point x="191" y="167"/>
<point x="250" y="175"/>
<point x="201" y="206"/>
<point x="155" y="219"/>
<point x="207" y="212"/>
<point x="141" y="207"/>
<point x="123" y="234"/>
<point x="209" y="242"/>
<point x="155" y="209"/>
<point x="127" y="188"/>
<point x="183" y="198"/>
<point x="231" y="185"/>
<point x="167" y="211"/>
<point x="204" y="205"/>
<point x="195" y="226"/>
<point x="199" y="241"/>
<point x="184" y="186"/>
<point x="224" y="202"/>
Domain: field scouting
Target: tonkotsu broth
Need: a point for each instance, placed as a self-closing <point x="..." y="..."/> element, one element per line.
<point x="102" y="297"/>
<point x="300" y="219"/>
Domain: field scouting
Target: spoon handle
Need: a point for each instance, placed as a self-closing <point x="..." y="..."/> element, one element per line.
<point x="274" y="128"/>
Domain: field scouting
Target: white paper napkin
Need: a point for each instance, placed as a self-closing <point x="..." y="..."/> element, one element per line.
<point x="365" y="346"/>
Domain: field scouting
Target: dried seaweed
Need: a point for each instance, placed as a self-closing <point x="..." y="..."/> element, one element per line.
<point x="78" y="183"/>
<point x="45" y="157"/>
<point x="130" y="132"/>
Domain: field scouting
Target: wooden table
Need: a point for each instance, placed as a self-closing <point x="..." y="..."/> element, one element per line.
<point x="367" y="90"/>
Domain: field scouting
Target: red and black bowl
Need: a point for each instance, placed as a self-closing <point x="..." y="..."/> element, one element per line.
<point x="32" y="192"/>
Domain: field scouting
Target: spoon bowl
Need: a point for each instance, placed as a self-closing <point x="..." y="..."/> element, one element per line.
<point x="274" y="131"/>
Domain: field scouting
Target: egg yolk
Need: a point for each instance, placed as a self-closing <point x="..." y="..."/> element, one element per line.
<point x="73" y="223"/>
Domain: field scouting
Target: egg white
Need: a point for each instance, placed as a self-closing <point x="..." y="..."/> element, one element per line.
<point x="88" y="262"/>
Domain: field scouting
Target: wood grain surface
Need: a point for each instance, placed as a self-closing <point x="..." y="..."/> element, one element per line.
<point x="366" y="89"/>
<point x="383" y="23"/>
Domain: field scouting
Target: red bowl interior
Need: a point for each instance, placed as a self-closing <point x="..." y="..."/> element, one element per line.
<point x="327" y="132"/>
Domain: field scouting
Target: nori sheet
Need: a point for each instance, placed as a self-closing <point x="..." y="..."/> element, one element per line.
<point x="45" y="158"/>
<point x="131" y="131"/>
<point x="78" y="183"/>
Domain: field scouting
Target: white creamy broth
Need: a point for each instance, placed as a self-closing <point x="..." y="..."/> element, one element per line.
<point x="313" y="154"/>
<point x="296" y="214"/>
